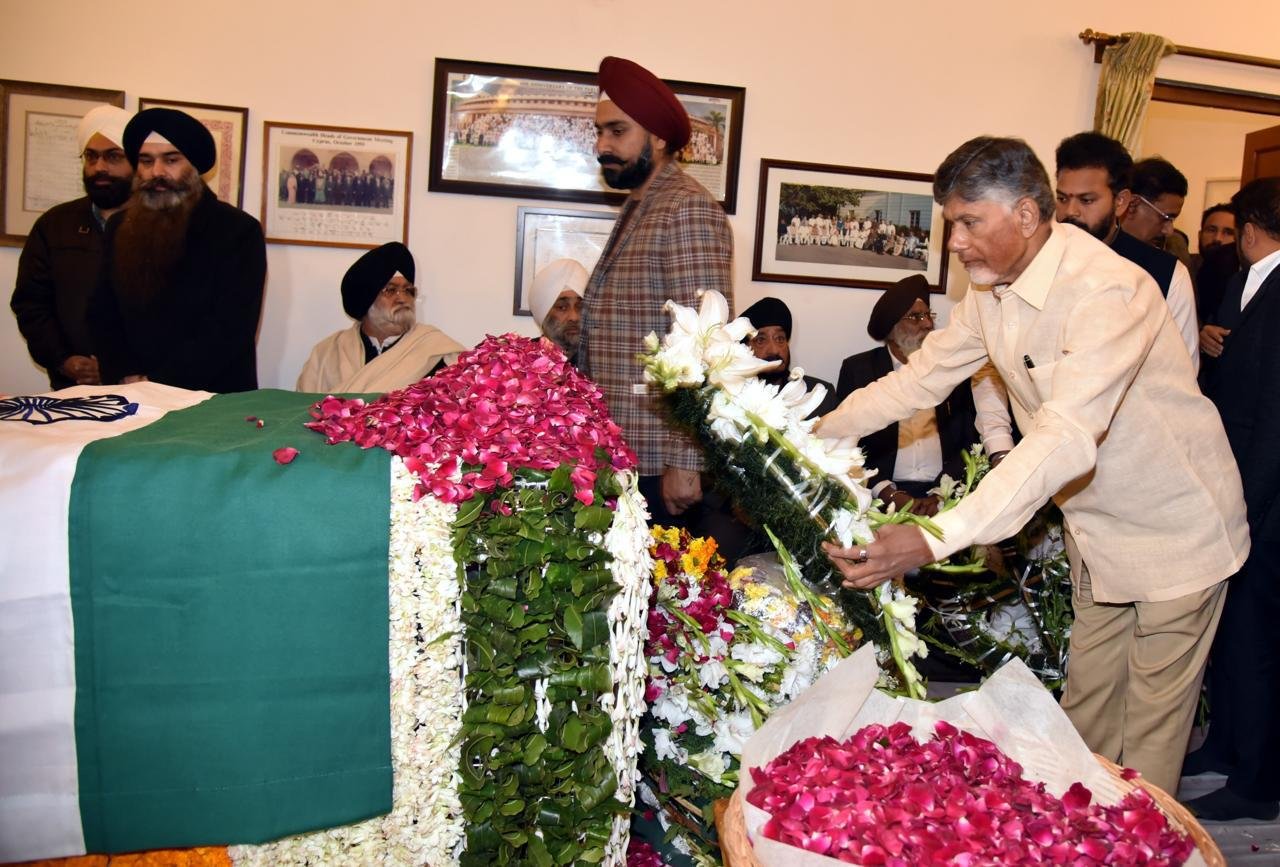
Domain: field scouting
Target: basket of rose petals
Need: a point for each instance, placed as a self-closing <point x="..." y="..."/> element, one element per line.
<point x="848" y="774"/>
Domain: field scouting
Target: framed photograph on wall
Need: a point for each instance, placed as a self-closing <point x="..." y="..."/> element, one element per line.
<point x="40" y="162"/>
<point x="544" y="235"/>
<point x="843" y="226"/>
<point x="229" y="126"/>
<point x="335" y="186"/>
<point x="526" y="131"/>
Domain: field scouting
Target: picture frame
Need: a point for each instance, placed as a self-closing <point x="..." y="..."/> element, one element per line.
<point x="229" y="126"/>
<point x="361" y="175"/>
<point x="40" y="162"/>
<point x="544" y="235"/>
<point x="804" y="232"/>
<point x="480" y="145"/>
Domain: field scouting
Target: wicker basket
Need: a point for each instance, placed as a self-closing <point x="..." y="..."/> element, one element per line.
<point x="737" y="850"/>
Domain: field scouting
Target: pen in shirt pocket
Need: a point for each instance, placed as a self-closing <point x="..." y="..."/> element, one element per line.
<point x="1026" y="359"/>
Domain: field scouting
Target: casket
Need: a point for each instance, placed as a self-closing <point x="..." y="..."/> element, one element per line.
<point x="209" y="640"/>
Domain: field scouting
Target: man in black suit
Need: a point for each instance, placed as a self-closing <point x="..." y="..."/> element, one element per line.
<point x="1244" y="675"/>
<point x="771" y="318"/>
<point x="909" y="457"/>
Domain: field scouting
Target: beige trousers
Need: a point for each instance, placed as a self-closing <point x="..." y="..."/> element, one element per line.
<point x="1133" y="679"/>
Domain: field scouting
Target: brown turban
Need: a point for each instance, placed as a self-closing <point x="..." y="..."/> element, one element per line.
<point x="894" y="304"/>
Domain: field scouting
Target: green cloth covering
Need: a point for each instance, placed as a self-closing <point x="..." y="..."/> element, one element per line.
<point x="231" y="623"/>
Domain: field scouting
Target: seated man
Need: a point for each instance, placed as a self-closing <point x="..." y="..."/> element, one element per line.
<point x="909" y="457"/>
<point x="387" y="348"/>
<point x="555" y="300"/>
<point x="771" y="319"/>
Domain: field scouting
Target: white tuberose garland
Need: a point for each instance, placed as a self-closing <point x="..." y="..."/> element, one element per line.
<point x="628" y="544"/>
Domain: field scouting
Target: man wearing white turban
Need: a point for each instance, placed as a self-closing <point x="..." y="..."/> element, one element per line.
<point x="60" y="262"/>
<point x="555" y="300"/>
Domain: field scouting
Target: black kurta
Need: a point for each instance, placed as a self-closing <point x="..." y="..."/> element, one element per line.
<point x="200" y="332"/>
<point x="57" y="273"/>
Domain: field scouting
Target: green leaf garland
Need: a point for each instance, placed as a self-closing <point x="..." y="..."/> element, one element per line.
<point x="534" y="605"/>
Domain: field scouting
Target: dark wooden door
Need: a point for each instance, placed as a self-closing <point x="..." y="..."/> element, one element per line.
<point x="1261" y="154"/>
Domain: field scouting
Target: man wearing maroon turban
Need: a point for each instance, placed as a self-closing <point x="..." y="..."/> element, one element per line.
<point x="671" y="240"/>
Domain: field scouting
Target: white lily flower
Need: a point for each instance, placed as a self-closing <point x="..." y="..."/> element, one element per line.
<point x="727" y="419"/>
<point x="762" y="400"/>
<point x="799" y="402"/>
<point x="731" y="363"/>
<point x="850" y="528"/>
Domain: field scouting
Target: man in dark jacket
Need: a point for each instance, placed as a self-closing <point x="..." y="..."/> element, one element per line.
<point x="909" y="457"/>
<point x="1244" y="665"/>
<point x="771" y="318"/>
<point x="182" y="286"/>
<point x="59" y="266"/>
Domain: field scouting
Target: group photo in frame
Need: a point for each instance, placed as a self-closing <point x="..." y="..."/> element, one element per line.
<point x="40" y="164"/>
<point x="529" y="132"/>
<point x="335" y="186"/>
<point x="544" y="235"/>
<point x="229" y="126"/>
<point x="845" y="226"/>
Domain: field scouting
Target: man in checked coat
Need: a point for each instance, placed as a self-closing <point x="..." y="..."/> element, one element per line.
<point x="671" y="240"/>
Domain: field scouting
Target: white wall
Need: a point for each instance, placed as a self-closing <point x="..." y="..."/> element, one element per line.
<point x="1205" y="144"/>
<point x="852" y="83"/>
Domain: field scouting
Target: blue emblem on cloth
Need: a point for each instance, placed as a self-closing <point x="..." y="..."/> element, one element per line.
<point x="46" y="410"/>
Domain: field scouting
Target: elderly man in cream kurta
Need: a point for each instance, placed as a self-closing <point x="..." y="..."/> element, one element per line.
<point x="386" y="348"/>
<point x="1116" y="432"/>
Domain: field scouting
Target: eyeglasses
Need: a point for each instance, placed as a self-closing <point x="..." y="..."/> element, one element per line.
<point x="390" y="291"/>
<point x="916" y="316"/>
<point x="1167" y="218"/>
<point x="111" y="157"/>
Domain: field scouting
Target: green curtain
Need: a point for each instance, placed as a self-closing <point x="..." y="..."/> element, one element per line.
<point x="1125" y="85"/>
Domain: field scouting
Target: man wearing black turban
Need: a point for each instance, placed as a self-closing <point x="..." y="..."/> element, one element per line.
<point x="909" y="457"/>
<point x="387" y="348"/>
<point x="771" y="318"/>
<point x="182" y="284"/>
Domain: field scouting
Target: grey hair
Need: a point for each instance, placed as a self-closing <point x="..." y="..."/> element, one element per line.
<point x="1005" y="169"/>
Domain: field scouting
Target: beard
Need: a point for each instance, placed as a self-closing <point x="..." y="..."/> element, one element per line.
<point x="397" y="321"/>
<point x="562" y="334"/>
<point x="622" y="175"/>
<point x="778" y="375"/>
<point x="1099" y="231"/>
<point x="908" y="340"/>
<point x="166" y="194"/>
<point x="152" y="237"/>
<point x="106" y="191"/>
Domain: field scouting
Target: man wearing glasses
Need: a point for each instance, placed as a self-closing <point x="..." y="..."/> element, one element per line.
<point x="387" y="348"/>
<point x="61" y="259"/>
<point x="1159" y="191"/>
<point x="911" y="455"/>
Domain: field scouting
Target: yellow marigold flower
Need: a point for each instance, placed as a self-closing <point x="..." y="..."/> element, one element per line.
<point x="659" y="570"/>
<point x="756" y="591"/>
<point x="691" y="566"/>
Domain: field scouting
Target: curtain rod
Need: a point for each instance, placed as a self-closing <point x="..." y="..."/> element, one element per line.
<point x="1100" y="41"/>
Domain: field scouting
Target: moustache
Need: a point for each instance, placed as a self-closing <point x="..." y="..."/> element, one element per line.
<point x="610" y="160"/>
